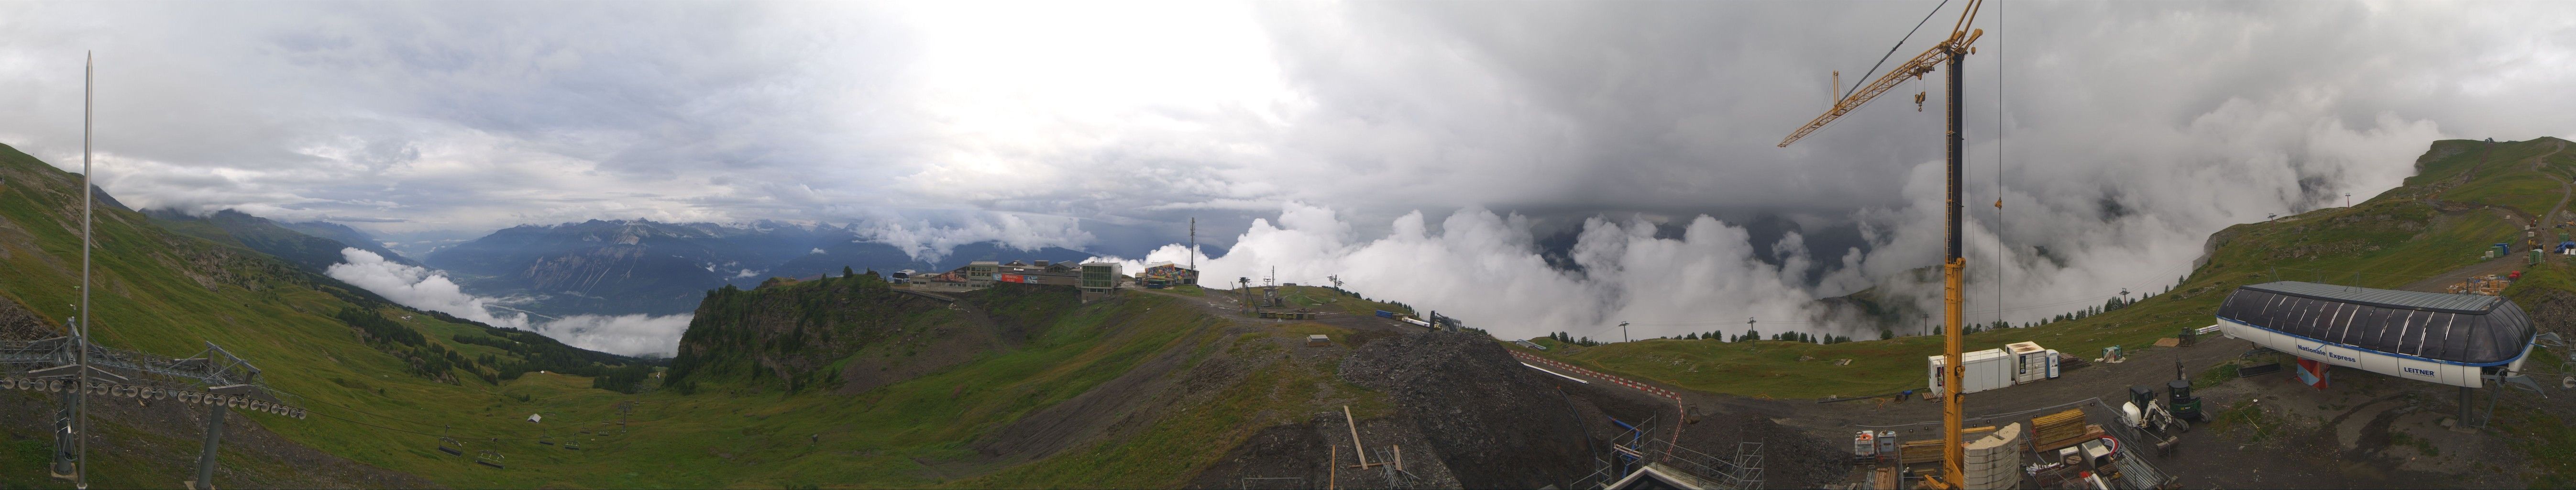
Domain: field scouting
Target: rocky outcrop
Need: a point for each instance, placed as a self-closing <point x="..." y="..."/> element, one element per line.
<point x="2552" y="310"/>
<point x="17" y="323"/>
<point x="784" y="336"/>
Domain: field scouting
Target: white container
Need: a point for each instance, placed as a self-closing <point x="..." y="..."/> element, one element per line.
<point x="1987" y="369"/>
<point x="2030" y="361"/>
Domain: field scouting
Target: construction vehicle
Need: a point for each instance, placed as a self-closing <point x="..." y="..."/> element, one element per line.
<point x="2178" y="392"/>
<point x="1954" y="266"/>
<point x="2150" y="420"/>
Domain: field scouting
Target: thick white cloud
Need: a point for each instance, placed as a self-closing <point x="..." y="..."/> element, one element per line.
<point x="932" y="237"/>
<point x="634" y="335"/>
<point x="427" y="289"/>
<point x="418" y="287"/>
<point x="1485" y="269"/>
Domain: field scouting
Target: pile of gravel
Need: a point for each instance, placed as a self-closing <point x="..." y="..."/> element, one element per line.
<point x="1493" y="423"/>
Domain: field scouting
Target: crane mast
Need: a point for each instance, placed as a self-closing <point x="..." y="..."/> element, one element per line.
<point x="1953" y="263"/>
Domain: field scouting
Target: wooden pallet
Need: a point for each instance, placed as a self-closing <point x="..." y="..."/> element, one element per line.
<point x="2091" y="432"/>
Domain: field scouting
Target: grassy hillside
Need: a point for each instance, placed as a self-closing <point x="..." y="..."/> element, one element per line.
<point x="930" y="430"/>
<point x="2387" y="241"/>
<point x="2524" y="176"/>
<point x="1152" y="388"/>
<point x="167" y="293"/>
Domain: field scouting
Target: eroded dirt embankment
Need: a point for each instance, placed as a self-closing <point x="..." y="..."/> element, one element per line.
<point x="1466" y="415"/>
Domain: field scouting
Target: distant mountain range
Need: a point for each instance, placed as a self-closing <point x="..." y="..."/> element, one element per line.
<point x="642" y="266"/>
<point x="313" y="246"/>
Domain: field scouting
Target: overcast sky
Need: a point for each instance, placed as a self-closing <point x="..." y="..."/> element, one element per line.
<point x="405" y="117"/>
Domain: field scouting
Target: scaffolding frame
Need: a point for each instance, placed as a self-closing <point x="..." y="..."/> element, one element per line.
<point x="1740" y="471"/>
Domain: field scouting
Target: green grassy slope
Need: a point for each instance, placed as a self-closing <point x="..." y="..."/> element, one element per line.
<point x="2390" y="239"/>
<point x="2499" y="174"/>
<point x="167" y="293"/>
<point x="918" y="432"/>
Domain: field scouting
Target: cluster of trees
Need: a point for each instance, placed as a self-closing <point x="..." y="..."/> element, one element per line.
<point x="377" y="329"/>
<point x="427" y="360"/>
<point x="628" y="379"/>
<point x="2107" y="306"/>
<point x="750" y="335"/>
<point x="535" y="355"/>
<point x="532" y="351"/>
<point x="1570" y="339"/>
<point x="2110" y="305"/>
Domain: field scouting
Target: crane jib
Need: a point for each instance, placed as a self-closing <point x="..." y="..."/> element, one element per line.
<point x="1915" y="68"/>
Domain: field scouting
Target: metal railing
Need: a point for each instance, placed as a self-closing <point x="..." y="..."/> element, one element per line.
<point x="210" y="368"/>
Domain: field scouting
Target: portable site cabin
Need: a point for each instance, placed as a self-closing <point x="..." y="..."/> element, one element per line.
<point x="2031" y="362"/>
<point x="2450" y="339"/>
<point x="1987" y="369"/>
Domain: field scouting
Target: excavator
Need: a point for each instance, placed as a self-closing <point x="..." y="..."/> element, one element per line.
<point x="1949" y="51"/>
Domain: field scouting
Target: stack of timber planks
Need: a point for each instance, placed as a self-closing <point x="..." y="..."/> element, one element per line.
<point x="2062" y="429"/>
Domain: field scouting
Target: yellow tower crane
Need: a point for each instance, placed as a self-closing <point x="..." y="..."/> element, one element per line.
<point x="1953" y="265"/>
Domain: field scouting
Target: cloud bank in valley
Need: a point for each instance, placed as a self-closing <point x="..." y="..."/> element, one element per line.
<point x="426" y="289"/>
<point x="1486" y="269"/>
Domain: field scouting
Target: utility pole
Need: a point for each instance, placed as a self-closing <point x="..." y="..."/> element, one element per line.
<point x="1194" y="251"/>
<point x="1623" y="332"/>
<point x="80" y="404"/>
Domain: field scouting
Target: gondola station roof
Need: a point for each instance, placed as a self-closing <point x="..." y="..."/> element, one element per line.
<point x="2460" y="329"/>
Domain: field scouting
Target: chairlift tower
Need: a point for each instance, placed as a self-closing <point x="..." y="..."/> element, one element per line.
<point x="77" y="368"/>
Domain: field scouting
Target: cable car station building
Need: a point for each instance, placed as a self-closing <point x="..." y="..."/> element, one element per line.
<point x="2453" y="339"/>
